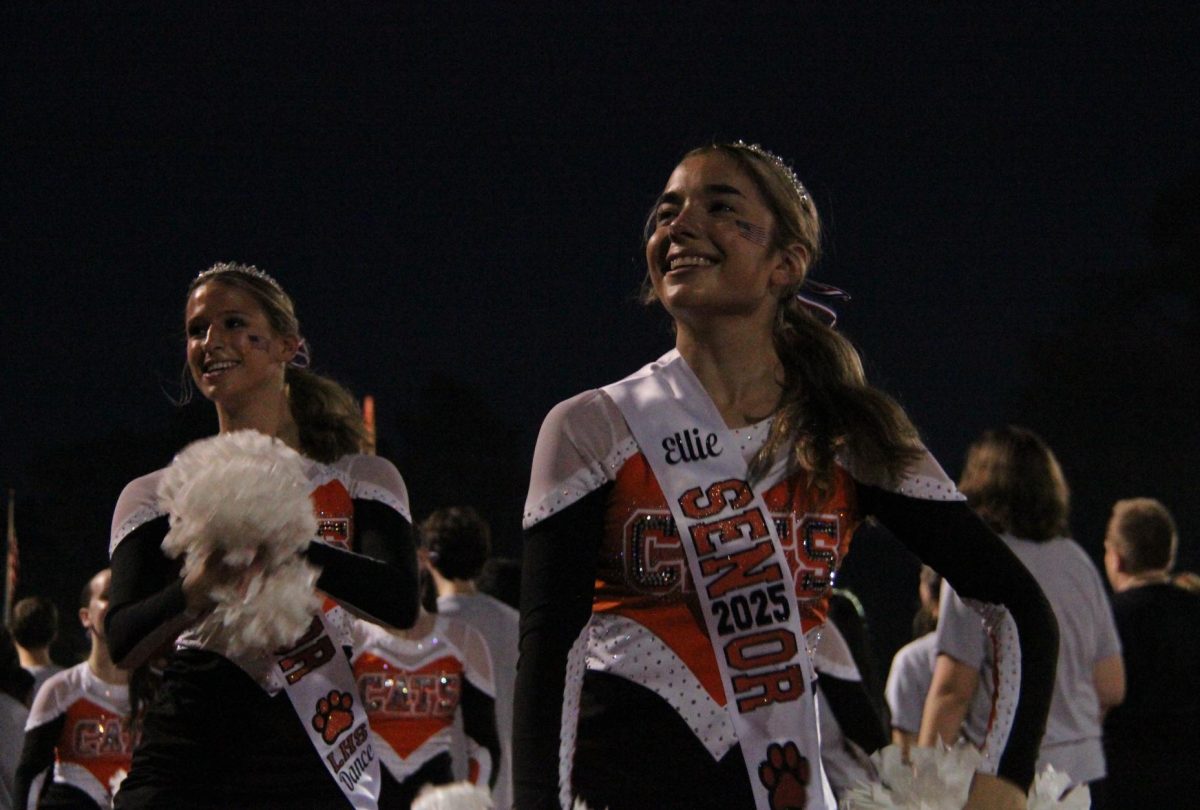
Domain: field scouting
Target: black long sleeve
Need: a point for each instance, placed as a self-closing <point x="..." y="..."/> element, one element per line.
<point x="557" y="585"/>
<point x="146" y="602"/>
<point x="37" y="755"/>
<point x="479" y="723"/>
<point x="949" y="537"/>
<point x="147" y="607"/>
<point x="379" y="580"/>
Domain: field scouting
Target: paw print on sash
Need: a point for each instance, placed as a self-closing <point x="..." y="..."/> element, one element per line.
<point x="333" y="715"/>
<point x="785" y="774"/>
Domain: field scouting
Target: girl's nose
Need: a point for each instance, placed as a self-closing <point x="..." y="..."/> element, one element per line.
<point x="684" y="223"/>
<point x="212" y="337"/>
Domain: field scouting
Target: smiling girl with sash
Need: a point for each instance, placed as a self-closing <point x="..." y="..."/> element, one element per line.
<point x="684" y="525"/>
<point x="269" y="727"/>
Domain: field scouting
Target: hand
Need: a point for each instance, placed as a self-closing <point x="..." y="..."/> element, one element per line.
<point x="990" y="792"/>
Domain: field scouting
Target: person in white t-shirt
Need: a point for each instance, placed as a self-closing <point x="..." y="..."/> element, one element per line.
<point x="1014" y="482"/>
<point x="455" y="544"/>
<point x="34" y="626"/>
<point x="912" y="666"/>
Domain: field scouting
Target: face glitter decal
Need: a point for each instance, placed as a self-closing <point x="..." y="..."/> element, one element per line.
<point x="259" y="342"/>
<point x="752" y="233"/>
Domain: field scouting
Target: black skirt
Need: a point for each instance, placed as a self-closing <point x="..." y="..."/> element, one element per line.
<point x="212" y="738"/>
<point x="633" y="752"/>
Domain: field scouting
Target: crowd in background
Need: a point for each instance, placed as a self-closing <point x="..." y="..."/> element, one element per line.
<point x="1124" y="717"/>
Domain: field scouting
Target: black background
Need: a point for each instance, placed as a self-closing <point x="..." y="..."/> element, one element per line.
<point x="453" y="194"/>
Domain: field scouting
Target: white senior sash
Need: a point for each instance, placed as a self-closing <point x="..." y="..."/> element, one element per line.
<point x="742" y="579"/>
<point x="320" y="684"/>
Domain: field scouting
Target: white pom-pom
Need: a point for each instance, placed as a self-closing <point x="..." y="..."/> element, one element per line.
<point x="456" y="796"/>
<point x="114" y="781"/>
<point x="1047" y="792"/>
<point x="245" y="494"/>
<point x="933" y="779"/>
<point x="940" y="779"/>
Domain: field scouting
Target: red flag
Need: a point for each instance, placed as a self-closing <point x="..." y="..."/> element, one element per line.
<point x="368" y="407"/>
<point x="12" y="559"/>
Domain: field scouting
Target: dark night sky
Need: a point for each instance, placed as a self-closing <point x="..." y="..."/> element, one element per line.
<point x="460" y="192"/>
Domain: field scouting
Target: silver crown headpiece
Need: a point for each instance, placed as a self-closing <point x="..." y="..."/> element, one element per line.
<point x="778" y="162"/>
<point x="233" y="267"/>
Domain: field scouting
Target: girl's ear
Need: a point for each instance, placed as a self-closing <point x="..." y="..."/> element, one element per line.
<point x="289" y="345"/>
<point x="790" y="266"/>
<point x="423" y="559"/>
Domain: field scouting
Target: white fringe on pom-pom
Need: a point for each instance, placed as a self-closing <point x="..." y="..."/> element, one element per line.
<point x="246" y="495"/>
<point x="1048" y="788"/>
<point x="114" y="781"/>
<point x="940" y="779"/>
<point x="455" y="796"/>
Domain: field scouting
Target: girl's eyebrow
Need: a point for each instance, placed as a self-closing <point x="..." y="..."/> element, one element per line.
<point x="674" y="197"/>
<point x="721" y="188"/>
<point x="222" y="314"/>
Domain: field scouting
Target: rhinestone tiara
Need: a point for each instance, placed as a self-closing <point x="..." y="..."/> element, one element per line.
<point x="778" y="162"/>
<point x="233" y="267"/>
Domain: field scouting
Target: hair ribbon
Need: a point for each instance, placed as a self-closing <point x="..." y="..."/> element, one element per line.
<point x="811" y="290"/>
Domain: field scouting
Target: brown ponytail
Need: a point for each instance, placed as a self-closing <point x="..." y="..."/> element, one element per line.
<point x="327" y="415"/>
<point x="828" y="407"/>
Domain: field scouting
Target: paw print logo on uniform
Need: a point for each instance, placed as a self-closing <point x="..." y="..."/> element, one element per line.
<point x="333" y="715"/>
<point x="785" y="775"/>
